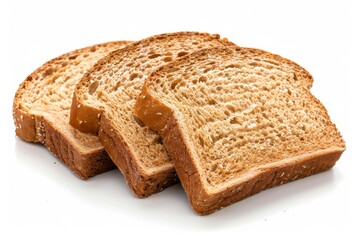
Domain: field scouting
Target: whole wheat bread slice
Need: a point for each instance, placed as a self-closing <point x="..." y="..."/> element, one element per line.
<point x="241" y="127"/>
<point x="41" y="110"/>
<point x="104" y="99"/>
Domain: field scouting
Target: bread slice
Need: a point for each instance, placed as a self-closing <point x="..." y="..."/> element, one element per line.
<point x="41" y="110"/>
<point x="105" y="97"/>
<point x="241" y="127"/>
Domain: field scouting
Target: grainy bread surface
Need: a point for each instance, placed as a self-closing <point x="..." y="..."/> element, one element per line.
<point x="41" y="110"/>
<point x="104" y="99"/>
<point x="237" y="121"/>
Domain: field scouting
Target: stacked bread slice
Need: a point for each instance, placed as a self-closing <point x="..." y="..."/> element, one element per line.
<point x="245" y="125"/>
<point x="228" y="121"/>
<point x="41" y="110"/>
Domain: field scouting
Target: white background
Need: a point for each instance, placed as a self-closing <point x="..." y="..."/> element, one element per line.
<point x="41" y="198"/>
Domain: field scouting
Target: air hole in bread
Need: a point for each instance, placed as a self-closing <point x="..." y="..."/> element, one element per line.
<point x="117" y="85"/>
<point x="174" y="83"/>
<point x="167" y="59"/>
<point x="72" y="57"/>
<point x="208" y="69"/>
<point x="53" y="79"/>
<point x="227" y="113"/>
<point x="233" y="66"/>
<point x="93" y="86"/>
<point x="231" y="108"/>
<point x="214" y="167"/>
<point x="255" y="64"/>
<point x="98" y="69"/>
<point x="48" y="72"/>
<point x="295" y="77"/>
<point x="133" y="76"/>
<point x="183" y="84"/>
<point x="154" y="56"/>
<point x="265" y="88"/>
<point x="212" y="102"/>
<point x="234" y="120"/>
<point x="185" y="76"/>
<point x="201" y="141"/>
<point x="180" y="54"/>
<point x="202" y="79"/>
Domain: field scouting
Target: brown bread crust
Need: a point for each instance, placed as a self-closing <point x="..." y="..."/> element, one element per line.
<point x="142" y="184"/>
<point x="83" y="164"/>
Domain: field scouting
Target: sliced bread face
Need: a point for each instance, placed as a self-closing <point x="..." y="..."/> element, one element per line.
<point x="237" y="121"/>
<point x="41" y="110"/>
<point x="104" y="100"/>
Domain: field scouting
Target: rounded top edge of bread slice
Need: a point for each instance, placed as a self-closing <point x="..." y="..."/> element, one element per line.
<point x="85" y="114"/>
<point x="306" y="78"/>
<point x="26" y="105"/>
